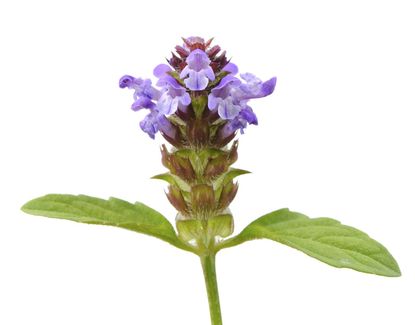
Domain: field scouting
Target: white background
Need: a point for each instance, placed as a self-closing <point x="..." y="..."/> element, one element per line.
<point x="336" y="139"/>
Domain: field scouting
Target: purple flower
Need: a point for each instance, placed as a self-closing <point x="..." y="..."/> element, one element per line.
<point x="142" y="102"/>
<point x="154" y="122"/>
<point x="246" y="116"/>
<point x="161" y="70"/>
<point x="196" y="64"/>
<point x="144" y="93"/>
<point x="231" y="68"/>
<point x="150" y="124"/>
<point x="255" y="88"/>
<point x="198" y="70"/>
<point x="126" y="81"/>
<point x="173" y="95"/>
<point x="228" y="108"/>
<point x="230" y="96"/>
<point x="222" y="98"/>
<point x="142" y="87"/>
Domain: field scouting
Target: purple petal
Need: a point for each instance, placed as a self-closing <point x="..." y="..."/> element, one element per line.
<point x="141" y="87"/>
<point x="152" y="93"/>
<point x="185" y="99"/>
<point x="248" y="115"/>
<point x="184" y="72"/>
<point x="154" y="122"/>
<point x="250" y="78"/>
<point x="213" y="101"/>
<point x="168" y="80"/>
<point x="268" y="86"/>
<point x="226" y="81"/>
<point x="167" y="105"/>
<point x="142" y="102"/>
<point x="238" y="123"/>
<point x="198" y="60"/>
<point x="126" y="81"/>
<point x="230" y="128"/>
<point x="227" y="110"/>
<point x="161" y="70"/>
<point x="165" y="126"/>
<point x="196" y="80"/>
<point x="254" y="88"/>
<point x="231" y="68"/>
<point x="150" y="124"/>
<point x="209" y="73"/>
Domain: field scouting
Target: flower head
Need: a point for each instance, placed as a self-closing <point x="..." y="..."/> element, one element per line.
<point x="198" y="99"/>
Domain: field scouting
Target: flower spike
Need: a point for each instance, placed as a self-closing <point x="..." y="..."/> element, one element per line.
<point x="198" y="86"/>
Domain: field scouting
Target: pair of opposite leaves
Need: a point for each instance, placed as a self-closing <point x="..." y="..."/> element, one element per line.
<point x="322" y="238"/>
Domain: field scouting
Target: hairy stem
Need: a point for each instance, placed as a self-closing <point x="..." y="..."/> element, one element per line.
<point x="209" y="271"/>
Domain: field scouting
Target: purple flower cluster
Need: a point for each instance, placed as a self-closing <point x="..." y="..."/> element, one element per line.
<point x="199" y="70"/>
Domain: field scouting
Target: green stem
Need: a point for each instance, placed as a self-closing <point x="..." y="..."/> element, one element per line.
<point x="209" y="271"/>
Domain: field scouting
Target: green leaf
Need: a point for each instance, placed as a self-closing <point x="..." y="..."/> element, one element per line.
<point x="113" y="212"/>
<point x="322" y="238"/>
